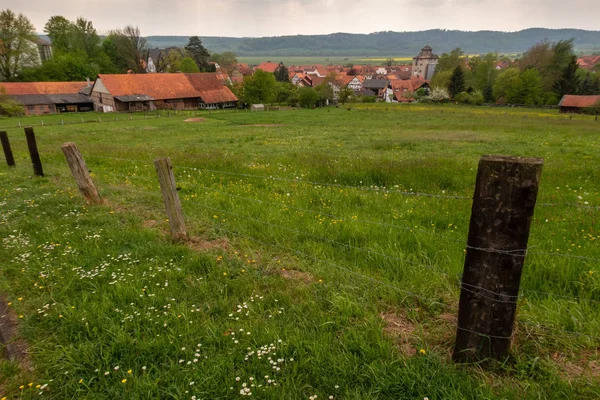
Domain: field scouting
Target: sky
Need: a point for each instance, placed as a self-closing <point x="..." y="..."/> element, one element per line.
<point x="258" y="18"/>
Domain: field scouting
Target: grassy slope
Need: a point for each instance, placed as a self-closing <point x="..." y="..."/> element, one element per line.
<point x="118" y="294"/>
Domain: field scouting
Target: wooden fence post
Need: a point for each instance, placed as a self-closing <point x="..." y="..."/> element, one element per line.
<point x="503" y="205"/>
<point x="164" y="169"/>
<point x="33" y="152"/>
<point x="10" y="160"/>
<point x="80" y="173"/>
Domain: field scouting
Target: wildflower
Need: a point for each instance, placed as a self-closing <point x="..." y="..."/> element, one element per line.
<point x="124" y="380"/>
<point x="144" y="368"/>
<point x="21" y="387"/>
<point x="20" y="299"/>
<point x="106" y="373"/>
<point x="116" y="368"/>
<point x="129" y="372"/>
<point x="81" y="380"/>
<point x="422" y="351"/>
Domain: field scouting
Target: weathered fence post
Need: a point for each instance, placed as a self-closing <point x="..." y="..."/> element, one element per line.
<point x="33" y="152"/>
<point x="10" y="160"/>
<point x="503" y="205"/>
<point x="80" y="173"/>
<point x="164" y="169"/>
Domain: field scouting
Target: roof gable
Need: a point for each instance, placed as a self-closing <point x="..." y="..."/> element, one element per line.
<point x="579" y="101"/>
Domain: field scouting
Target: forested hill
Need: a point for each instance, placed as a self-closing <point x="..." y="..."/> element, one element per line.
<point x="388" y="43"/>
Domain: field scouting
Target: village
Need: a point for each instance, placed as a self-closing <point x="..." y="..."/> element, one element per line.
<point x="149" y="90"/>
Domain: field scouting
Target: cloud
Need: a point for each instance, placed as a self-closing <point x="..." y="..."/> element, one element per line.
<point x="290" y="17"/>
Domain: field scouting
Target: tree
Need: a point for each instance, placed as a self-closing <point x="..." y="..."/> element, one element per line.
<point x="441" y="79"/>
<point x="590" y="85"/>
<point x="308" y="97"/>
<point x="130" y="48"/>
<point x="439" y="95"/>
<point x="484" y="74"/>
<point x="63" y="67"/>
<point x="568" y="82"/>
<point x="287" y="93"/>
<point x="389" y="62"/>
<point x="85" y="38"/>
<point x="17" y="44"/>
<point x="457" y="81"/>
<point x="59" y="30"/>
<point x="281" y="73"/>
<point x="259" y="88"/>
<point x="188" y="65"/>
<point x="8" y="106"/>
<point x="345" y="94"/>
<point x="173" y="60"/>
<point x="196" y="50"/>
<point x="504" y="83"/>
<point x="449" y="62"/>
<point x="325" y="93"/>
<point x="225" y="60"/>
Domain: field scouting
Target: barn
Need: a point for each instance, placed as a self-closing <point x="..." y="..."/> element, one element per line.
<point x="39" y="98"/>
<point x="577" y="104"/>
<point x="147" y="92"/>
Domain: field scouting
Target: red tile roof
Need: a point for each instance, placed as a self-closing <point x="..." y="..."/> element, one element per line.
<point x="268" y="66"/>
<point x="169" y="86"/>
<point x="579" y="101"/>
<point x="22" y="88"/>
<point x="588" y="62"/>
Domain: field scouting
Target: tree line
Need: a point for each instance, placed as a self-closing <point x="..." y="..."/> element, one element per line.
<point x="542" y="76"/>
<point x="79" y="52"/>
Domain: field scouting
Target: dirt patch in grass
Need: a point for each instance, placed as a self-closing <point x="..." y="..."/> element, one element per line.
<point x="15" y="349"/>
<point x="400" y="329"/>
<point x="150" y="223"/>
<point x="582" y="365"/>
<point x="298" y="276"/>
<point x="199" y="244"/>
<point x="195" y="120"/>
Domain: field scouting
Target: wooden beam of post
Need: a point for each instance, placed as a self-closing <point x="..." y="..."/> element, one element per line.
<point x="10" y="160"/>
<point x="164" y="169"/>
<point x="503" y="205"/>
<point x="81" y="173"/>
<point x="33" y="152"/>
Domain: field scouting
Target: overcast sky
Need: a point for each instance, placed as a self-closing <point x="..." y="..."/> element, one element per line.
<point x="290" y="17"/>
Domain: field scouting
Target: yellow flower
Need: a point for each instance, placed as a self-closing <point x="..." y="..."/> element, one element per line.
<point x="129" y="372"/>
<point x="30" y="384"/>
<point x="81" y="380"/>
<point x="124" y="380"/>
<point x="224" y="273"/>
<point x="20" y="316"/>
<point x="20" y="298"/>
<point x="21" y="387"/>
<point x="422" y="351"/>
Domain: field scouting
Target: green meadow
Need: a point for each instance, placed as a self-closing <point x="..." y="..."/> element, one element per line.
<point x="324" y="262"/>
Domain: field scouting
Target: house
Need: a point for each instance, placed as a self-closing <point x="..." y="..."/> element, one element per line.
<point x="403" y="89"/>
<point x="424" y="64"/>
<point x="577" y="104"/>
<point x="40" y="98"/>
<point x="44" y="48"/>
<point x="143" y="92"/>
<point x="268" y="66"/>
<point x="589" y="62"/>
<point x="375" y="85"/>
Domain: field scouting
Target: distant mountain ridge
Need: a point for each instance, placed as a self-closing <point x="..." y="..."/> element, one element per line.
<point x="388" y="43"/>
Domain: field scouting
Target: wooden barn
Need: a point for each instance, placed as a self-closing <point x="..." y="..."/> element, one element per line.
<point x="39" y="98"/>
<point x="147" y="92"/>
<point x="577" y="104"/>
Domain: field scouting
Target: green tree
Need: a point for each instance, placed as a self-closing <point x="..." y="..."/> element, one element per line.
<point x="308" y="97"/>
<point x="527" y="89"/>
<point x="8" y="106"/>
<point x="287" y="93"/>
<point x="504" y="83"/>
<point x="484" y="75"/>
<point x="449" y="61"/>
<point x="225" y="60"/>
<point x="590" y="85"/>
<point x="457" y="81"/>
<point x="345" y="94"/>
<point x="196" y="50"/>
<point x="259" y="88"/>
<point x="188" y="65"/>
<point x="63" y="67"/>
<point x="85" y="38"/>
<point x="569" y="82"/>
<point x="281" y="73"/>
<point x="17" y="47"/>
<point x="130" y="48"/>
<point x="59" y="30"/>
<point x="173" y="60"/>
<point x="441" y="79"/>
<point x="325" y="93"/>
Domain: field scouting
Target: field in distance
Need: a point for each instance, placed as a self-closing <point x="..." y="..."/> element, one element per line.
<point x="324" y="60"/>
<point x="325" y="260"/>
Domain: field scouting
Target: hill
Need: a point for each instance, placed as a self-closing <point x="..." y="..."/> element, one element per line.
<point x="388" y="43"/>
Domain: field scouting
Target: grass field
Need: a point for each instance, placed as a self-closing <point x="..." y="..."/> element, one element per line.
<point x="324" y="60"/>
<point x="304" y="279"/>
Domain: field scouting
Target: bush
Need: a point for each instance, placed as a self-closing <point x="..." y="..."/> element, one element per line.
<point x="438" y="95"/>
<point x="10" y="107"/>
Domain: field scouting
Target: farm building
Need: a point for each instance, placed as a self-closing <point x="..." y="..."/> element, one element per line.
<point x="145" y="92"/>
<point x="576" y="104"/>
<point x="40" y="98"/>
